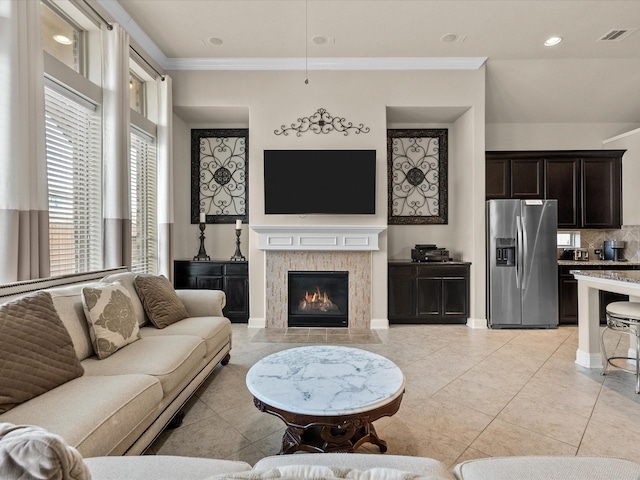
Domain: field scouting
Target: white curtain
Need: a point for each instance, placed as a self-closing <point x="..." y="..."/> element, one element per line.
<point x="24" y="219"/>
<point x="116" y="147"/>
<point x="165" y="176"/>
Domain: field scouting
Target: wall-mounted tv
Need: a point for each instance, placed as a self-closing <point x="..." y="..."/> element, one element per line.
<point x="320" y="181"/>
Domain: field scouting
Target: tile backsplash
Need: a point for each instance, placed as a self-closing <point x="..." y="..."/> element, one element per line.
<point x="592" y="239"/>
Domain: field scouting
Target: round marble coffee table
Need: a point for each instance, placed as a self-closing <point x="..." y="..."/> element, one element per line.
<point x="328" y="396"/>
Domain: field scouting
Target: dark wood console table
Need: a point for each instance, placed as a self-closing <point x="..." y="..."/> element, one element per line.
<point x="230" y="277"/>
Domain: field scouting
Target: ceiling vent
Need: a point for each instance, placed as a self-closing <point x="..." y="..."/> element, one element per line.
<point x="617" y="35"/>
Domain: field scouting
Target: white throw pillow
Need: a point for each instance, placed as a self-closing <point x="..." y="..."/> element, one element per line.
<point x="111" y="318"/>
<point x="321" y="472"/>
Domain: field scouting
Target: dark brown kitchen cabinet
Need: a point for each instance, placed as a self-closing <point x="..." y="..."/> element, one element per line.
<point x="230" y="277"/>
<point x="568" y="291"/>
<point x="586" y="183"/>
<point x="510" y="178"/>
<point x="428" y="292"/>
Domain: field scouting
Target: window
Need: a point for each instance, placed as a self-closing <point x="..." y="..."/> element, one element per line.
<point x="144" y="225"/>
<point x="61" y="38"/>
<point x="568" y="239"/>
<point x="72" y="135"/>
<point x="137" y="94"/>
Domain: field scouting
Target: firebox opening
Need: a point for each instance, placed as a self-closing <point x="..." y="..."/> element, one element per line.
<point x="318" y="299"/>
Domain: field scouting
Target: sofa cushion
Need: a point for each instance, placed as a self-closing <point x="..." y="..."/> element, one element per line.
<point x="170" y="359"/>
<point x="96" y="415"/>
<point x="31" y="452"/>
<point x="111" y="318"/>
<point x="148" y="467"/>
<point x="68" y="303"/>
<point x="36" y="351"/>
<point x="215" y="331"/>
<point x="127" y="279"/>
<point x="159" y="299"/>
<point x="547" y="468"/>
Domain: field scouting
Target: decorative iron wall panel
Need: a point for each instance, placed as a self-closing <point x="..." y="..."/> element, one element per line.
<point x="417" y="176"/>
<point x="220" y="175"/>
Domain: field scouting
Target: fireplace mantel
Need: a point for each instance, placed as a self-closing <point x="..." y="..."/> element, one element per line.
<point x="318" y="237"/>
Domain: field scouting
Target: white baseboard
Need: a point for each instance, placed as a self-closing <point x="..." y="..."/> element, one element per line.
<point x="257" y="323"/>
<point x="380" y="323"/>
<point x="477" y="323"/>
<point x="588" y="360"/>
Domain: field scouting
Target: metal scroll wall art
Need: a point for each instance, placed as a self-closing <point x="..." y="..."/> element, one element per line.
<point x="322" y="122"/>
<point x="417" y="176"/>
<point x="219" y="175"/>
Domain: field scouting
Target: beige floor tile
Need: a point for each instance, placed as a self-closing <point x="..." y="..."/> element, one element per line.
<point x="610" y="440"/>
<point x="545" y="419"/>
<point x="618" y="405"/>
<point x="504" y="439"/>
<point x="578" y="401"/>
<point x="469" y="454"/>
<point x="483" y="398"/>
<point x="251" y="422"/>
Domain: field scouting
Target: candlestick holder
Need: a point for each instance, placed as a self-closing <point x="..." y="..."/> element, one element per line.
<point x="238" y="257"/>
<point x="202" y="253"/>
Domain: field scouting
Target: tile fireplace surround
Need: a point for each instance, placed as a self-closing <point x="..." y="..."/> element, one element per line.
<point x="318" y="248"/>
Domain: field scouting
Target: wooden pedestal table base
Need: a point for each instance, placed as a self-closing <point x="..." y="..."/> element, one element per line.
<point x="327" y="395"/>
<point x="324" y="434"/>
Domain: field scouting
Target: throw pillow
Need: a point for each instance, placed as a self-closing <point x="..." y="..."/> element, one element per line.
<point x="111" y="318"/>
<point x="160" y="300"/>
<point x="36" y="351"/>
<point x="321" y="472"/>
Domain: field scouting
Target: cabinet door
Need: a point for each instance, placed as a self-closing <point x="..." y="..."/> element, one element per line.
<point x="497" y="178"/>
<point x="527" y="178"/>
<point x="454" y="297"/>
<point x="429" y="293"/>
<point x="601" y="193"/>
<point x="402" y="299"/>
<point x="568" y="297"/>
<point x="561" y="183"/>
<point x="236" y="289"/>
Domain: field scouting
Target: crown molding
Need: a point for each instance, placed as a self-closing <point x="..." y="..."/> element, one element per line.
<point x="327" y="63"/>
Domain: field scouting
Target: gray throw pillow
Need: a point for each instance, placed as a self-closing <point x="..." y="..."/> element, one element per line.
<point x="36" y="351"/>
<point x="160" y="300"/>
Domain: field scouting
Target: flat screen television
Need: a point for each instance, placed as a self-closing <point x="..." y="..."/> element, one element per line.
<point x="335" y="182"/>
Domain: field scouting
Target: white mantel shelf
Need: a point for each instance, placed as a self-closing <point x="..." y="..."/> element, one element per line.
<point x="318" y="237"/>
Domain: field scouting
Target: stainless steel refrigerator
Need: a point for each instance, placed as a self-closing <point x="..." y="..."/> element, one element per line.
<point x="522" y="264"/>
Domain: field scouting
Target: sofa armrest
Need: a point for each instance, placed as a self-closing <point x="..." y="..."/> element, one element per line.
<point x="203" y="303"/>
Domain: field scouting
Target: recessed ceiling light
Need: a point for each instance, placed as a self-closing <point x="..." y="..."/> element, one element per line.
<point x="215" y="41"/>
<point x="64" y="40"/>
<point x="551" y="41"/>
<point x="449" y="38"/>
<point x="319" y="40"/>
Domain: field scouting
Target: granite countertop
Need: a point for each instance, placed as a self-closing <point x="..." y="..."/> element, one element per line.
<point x="631" y="276"/>
<point x="610" y="263"/>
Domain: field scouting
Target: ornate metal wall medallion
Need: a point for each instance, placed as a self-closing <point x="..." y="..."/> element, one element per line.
<point x="417" y="176"/>
<point x="220" y="175"/>
<point x="322" y="122"/>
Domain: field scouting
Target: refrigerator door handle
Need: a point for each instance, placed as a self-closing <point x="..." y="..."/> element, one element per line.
<point x="519" y="258"/>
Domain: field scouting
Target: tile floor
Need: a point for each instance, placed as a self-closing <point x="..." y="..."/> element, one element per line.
<point x="470" y="393"/>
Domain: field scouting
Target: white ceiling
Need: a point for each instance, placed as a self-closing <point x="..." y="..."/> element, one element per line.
<point x="580" y="80"/>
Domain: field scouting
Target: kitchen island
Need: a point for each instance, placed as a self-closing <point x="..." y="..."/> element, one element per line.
<point x="626" y="282"/>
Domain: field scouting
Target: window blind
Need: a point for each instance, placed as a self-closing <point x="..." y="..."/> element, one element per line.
<point x="144" y="224"/>
<point x="73" y="138"/>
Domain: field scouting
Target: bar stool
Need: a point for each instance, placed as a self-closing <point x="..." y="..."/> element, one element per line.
<point x="623" y="317"/>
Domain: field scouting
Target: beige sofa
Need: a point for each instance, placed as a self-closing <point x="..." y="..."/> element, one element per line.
<point x="123" y="402"/>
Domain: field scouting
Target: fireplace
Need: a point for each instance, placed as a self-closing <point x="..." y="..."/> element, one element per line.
<point x="318" y="299"/>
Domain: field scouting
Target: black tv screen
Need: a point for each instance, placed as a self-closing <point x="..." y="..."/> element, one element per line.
<point x="320" y="181"/>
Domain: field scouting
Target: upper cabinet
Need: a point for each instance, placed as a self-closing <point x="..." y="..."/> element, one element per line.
<point x="586" y="183"/>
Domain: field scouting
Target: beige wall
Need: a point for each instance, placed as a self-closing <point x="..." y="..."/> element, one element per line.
<point x="277" y="98"/>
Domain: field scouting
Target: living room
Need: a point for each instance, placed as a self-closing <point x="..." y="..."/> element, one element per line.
<point x="485" y="103"/>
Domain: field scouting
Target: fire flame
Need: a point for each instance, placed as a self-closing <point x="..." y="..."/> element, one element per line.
<point x="317" y="300"/>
